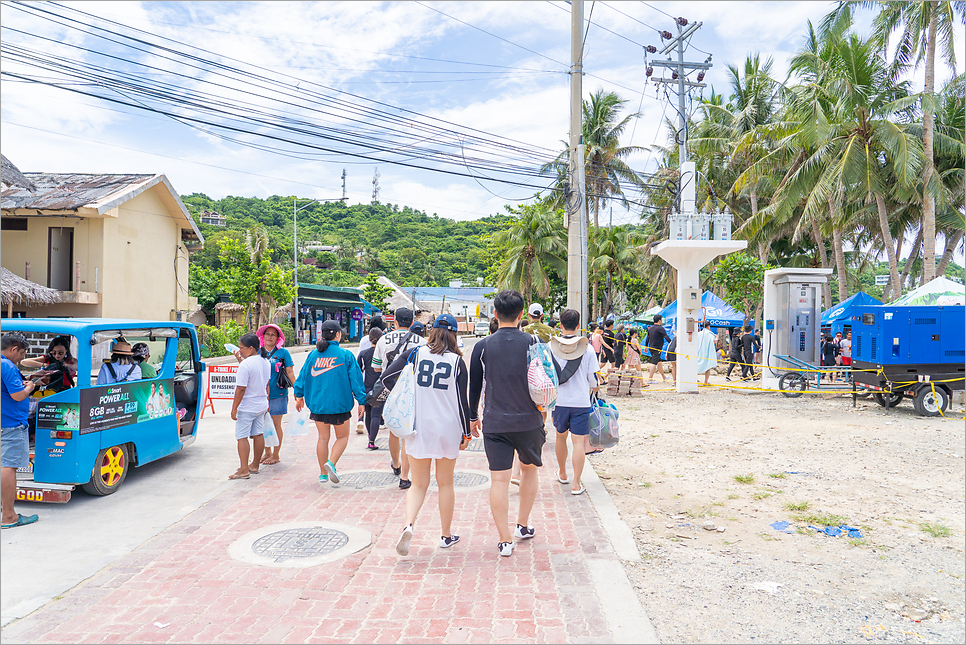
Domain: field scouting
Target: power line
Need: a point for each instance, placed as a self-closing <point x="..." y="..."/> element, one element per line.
<point x="612" y="8"/>
<point x="599" y="26"/>
<point x="491" y="34"/>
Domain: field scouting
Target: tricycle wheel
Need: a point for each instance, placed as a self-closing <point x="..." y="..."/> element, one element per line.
<point x="792" y="384"/>
<point x="930" y="401"/>
<point x="110" y="471"/>
<point x="889" y="399"/>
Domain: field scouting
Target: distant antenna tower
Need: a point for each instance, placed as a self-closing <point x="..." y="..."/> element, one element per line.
<point x="343" y="185"/>
<point x="375" y="186"/>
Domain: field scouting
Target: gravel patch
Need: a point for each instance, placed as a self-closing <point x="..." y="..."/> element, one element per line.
<point x="701" y="478"/>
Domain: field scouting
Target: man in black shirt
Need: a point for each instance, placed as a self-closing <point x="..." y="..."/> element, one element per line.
<point x="511" y="421"/>
<point x="656" y="337"/>
<point x="621" y="340"/>
<point x="747" y="353"/>
<point x="609" y="341"/>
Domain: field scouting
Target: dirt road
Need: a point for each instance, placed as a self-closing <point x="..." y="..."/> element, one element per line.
<point x="741" y="462"/>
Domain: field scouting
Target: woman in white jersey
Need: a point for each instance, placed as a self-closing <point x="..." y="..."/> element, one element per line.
<point x="442" y="426"/>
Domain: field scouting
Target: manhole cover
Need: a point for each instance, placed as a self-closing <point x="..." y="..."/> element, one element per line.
<point x="299" y="543"/>
<point x="476" y="444"/>
<point x="466" y="480"/>
<point x="368" y="479"/>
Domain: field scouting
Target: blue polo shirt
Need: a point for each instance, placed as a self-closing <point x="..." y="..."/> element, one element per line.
<point x="12" y="413"/>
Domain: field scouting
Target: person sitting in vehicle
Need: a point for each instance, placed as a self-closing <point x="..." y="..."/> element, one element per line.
<point x="58" y="362"/>
<point x="122" y="367"/>
<point x="141" y="356"/>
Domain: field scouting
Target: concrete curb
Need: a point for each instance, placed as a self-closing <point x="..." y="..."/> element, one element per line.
<point x="622" y="608"/>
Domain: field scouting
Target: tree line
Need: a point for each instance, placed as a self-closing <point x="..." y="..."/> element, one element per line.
<point x="836" y="163"/>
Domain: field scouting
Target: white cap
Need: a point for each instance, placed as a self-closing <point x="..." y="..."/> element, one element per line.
<point x="536" y="309"/>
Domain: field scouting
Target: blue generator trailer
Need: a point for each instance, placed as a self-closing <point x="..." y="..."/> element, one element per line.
<point x="915" y="351"/>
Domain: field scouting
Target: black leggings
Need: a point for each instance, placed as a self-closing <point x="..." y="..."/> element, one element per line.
<point x="733" y="364"/>
<point x="373" y="421"/>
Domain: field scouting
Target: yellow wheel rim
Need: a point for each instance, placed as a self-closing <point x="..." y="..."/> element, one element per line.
<point x="112" y="466"/>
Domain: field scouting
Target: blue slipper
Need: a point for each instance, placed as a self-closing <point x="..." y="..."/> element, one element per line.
<point x="22" y="520"/>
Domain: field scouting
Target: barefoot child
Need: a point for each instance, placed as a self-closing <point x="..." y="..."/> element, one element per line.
<point x="250" y="405"/>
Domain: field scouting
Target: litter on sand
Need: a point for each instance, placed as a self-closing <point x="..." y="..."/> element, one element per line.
<point x="161" y="625"/>
<point x="835" y="531"/>
<point x="770" y="587"/>
<point x="781" y="526"/>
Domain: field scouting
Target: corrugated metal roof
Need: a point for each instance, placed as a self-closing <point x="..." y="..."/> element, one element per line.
<point x="67" y="191"/>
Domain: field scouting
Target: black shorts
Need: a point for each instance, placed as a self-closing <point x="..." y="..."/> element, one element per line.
<point x="655" y="356"/>
<point x="619" y="359"/>
<point x="499" y="447"/>
<point x="606" y="356"/>
<point x="333" y="419"/>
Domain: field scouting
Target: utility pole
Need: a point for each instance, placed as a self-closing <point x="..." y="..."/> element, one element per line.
<point x="679" y="71"/>
<point x="576" y="220"/>
<point x="343" y="184"/>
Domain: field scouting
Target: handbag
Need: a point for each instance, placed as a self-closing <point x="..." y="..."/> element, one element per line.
<point x="603" y="424"/>
<point x="541" y="376"/>
<point x="377" y="395"/>
<point x="399" y="412"/>
<point x="282" y="380"/>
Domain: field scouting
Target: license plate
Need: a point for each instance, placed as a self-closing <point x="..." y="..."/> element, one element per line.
<point x="40" y="495"/>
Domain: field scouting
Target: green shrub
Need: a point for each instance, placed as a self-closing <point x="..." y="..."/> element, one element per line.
<point x="214" y="338"/>
<point x="289" y="332"/>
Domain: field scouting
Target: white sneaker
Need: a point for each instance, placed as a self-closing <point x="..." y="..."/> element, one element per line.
<point x="447" y="542"/>
<point x="402" y="546"/>
<point x="361" y="428"/>
<point x="506" y="549"/>
<point x="524" y="532"/>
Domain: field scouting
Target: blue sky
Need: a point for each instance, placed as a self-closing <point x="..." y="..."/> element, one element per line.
<point x="378" y="50"/>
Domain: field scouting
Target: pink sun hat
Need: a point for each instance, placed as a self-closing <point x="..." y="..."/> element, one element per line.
<point x="260" y="332"/>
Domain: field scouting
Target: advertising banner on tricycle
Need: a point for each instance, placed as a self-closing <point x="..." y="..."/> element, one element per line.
<point x="121" y="404"/>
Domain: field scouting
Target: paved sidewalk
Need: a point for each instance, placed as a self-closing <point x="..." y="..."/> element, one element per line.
<point x="564" y="586"/>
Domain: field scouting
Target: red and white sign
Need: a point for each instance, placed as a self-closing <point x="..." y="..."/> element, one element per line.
<point x="221" y="381"/>
<point x="389" y="318"/>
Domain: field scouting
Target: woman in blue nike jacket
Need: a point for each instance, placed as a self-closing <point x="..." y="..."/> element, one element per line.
<point x="329" y="380"/>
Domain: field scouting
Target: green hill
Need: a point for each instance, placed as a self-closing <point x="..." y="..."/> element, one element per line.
<point x="407" y="245"/>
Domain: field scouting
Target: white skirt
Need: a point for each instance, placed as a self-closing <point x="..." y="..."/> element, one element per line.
<point x="435" y="442"/>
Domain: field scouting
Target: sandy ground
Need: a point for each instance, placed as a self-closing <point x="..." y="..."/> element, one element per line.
<point x="893" y="474"/>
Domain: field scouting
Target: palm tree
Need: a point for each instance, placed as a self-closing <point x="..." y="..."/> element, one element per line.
<point x="923" y="25"/>
<point x="606" y="173"/>
<point x="534" y="246"/>
<point x="616" y="251"/>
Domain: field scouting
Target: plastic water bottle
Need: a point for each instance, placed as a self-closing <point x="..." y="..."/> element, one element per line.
<point x="231" y="348"/>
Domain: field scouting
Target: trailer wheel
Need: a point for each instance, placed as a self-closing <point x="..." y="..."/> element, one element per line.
<point x="930" y="401"/>
<point x="792" y="384"/>
<point x="888" y="400"/>
<point x="110" y="471"/>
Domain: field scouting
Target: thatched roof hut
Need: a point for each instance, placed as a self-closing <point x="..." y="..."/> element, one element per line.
<point x="15" y="289"/>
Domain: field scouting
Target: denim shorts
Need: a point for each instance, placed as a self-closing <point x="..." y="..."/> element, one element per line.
<point x="278" y="406"/>
<point x="249" y="424"/>
<point x="573" y="420"/>
<point x="14" y="447"/>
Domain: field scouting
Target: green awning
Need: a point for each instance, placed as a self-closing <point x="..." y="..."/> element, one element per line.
<point x="331" y="303"/>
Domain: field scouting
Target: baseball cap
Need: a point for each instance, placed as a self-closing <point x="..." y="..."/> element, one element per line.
<point x="418" y="328"/>
<point x="536" y="309"/>
<point x="404" y="315"/>
<point x="331" y="325"/>
<point x="446" y="321"/>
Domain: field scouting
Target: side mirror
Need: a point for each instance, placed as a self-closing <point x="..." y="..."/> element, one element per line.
<point x="205" y="353"/>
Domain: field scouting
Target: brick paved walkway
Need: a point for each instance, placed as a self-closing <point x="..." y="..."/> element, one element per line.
<point x="184" y="577"/>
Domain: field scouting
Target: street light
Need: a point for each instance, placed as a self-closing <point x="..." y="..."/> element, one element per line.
<point x="295" y="249"/>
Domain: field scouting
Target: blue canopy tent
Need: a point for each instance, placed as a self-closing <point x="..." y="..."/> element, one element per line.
<point x="836" y="318"/>
<point x="720" y="314"/>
